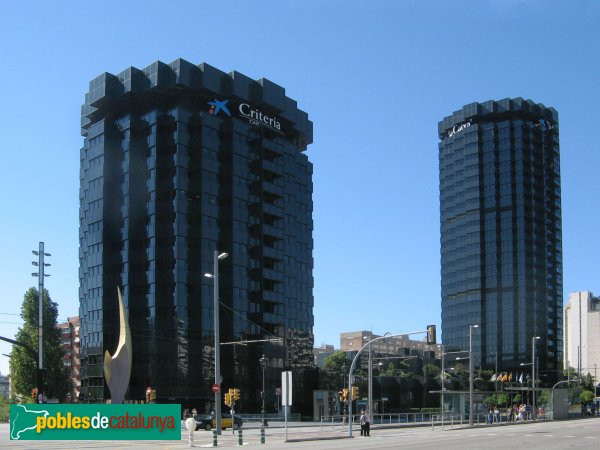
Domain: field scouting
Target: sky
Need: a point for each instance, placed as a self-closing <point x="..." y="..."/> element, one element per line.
<point x="375" y="77"/>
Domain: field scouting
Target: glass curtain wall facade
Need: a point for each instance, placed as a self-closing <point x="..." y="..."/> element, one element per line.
<point x="178" y="161"/>
<point x="501" y="247"/>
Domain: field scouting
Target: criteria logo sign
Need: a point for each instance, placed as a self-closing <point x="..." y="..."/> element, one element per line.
<point x="95" y="422"/>
<point x="217" y="105"/>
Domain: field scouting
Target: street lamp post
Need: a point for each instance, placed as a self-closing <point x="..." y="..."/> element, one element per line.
<point x="370" y="384"/>
<point x="442" y="381"/>
<point x="354" y="364"/>
<point x="263" y="365"/>
<point x="532" y="376"/>
<point x="533" y="373"/>
<point x="443" y="378"/>
<point x="370" y="380"/>
<point x="471" y="373"/>
<point x="495" y="354"/>
<point x="215" y="276"/>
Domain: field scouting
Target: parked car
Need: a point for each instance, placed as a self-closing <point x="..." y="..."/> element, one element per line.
<point x="208" y="423"/>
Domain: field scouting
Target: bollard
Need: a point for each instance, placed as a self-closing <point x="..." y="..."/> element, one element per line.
<point x="190" y="425"/>
<point x="262" y="435"/>
<point x="240" y="438"/>
<point x="214" y="438"/>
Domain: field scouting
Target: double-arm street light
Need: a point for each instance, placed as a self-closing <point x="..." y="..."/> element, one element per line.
<point x="471" y="373"/>
<point x="533" y="372"/>
<point x="370" y="380"/>
<point x="442" y="378"/>
<point x="215" y="276"/>
<point x="528" y="364"/>
<point x="350" y="381"/>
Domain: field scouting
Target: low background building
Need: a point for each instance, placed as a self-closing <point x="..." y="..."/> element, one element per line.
<point x="582" y="333"/>
<point x="70" y="344"/>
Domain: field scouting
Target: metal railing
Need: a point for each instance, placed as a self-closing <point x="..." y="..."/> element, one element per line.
<point x="448" y="419"/>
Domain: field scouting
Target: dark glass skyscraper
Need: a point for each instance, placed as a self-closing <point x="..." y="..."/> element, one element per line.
<point x="178" y="161"/>
<point x="501" y="248"/>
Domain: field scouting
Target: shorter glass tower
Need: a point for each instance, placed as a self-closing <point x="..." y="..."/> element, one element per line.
<point x="180" y="160"/>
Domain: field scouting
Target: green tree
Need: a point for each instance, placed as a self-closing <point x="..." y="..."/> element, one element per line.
<point x="544" y="397"/>
<point x="23" y="367"/>
<point x="4" y="409"/>
<point x="390" y="371"/>
<point x="336" y="361"/>
<point x="586" y="396"/>
<point x="500" y="399"/>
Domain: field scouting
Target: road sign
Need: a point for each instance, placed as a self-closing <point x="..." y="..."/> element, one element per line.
<point x="216" y="388"/>
<point x="277" y="391"/>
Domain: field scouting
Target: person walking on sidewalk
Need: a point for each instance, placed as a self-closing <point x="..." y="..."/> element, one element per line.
<point x="367" y="424"/>
<point x="362" y="424"/>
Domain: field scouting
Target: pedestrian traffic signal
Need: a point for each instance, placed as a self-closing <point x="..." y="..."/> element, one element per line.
<point x="343" y="395"/>
<point x="355" y="393"/>
<point x="228" y="399"/>
<point x="236" y="394"/>
<point x="431" y="335"/>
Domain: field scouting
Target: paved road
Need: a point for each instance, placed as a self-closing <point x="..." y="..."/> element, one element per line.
<point x="580" y="434"/>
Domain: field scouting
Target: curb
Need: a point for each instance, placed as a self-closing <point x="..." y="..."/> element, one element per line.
<point x="324" y="438"/>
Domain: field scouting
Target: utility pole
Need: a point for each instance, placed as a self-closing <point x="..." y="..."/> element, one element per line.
<point x="40" y="274"/>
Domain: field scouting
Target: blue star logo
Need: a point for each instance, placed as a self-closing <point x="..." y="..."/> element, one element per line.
<point x="216" y="106"/>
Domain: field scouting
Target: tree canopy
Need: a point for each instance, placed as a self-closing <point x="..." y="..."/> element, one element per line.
<point x="23" y="367"/>
<point x="336" y="361"/>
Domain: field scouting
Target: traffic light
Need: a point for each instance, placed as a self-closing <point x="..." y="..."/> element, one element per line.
<point x="343" y="395"/>
<point x="236" y="394"/>
<point x="430" y="334"/>
<point x="228" y="399"/>
<point x="355" y="393"/>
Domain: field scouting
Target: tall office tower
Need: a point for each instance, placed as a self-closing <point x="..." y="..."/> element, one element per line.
<point x="180" y="161"/>
<point x="501" y="252"/>
<point x="582" y="333"/>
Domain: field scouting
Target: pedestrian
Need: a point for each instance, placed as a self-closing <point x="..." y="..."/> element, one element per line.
<point x="490" y="416"/>
<point x="363" y="422"/>
<point x="194" y="413"/>
<point x="521" y="416"/>
<point x="496" y="415"/>
<point x="367" y="424"/>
